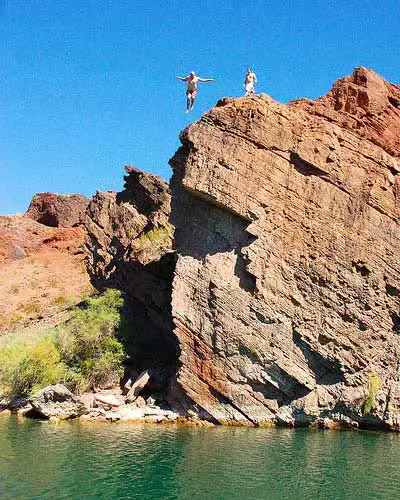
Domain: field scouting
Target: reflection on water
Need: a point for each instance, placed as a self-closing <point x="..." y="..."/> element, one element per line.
<point x="77" y="461"/>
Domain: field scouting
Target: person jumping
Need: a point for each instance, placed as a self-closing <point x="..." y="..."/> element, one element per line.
<point x="249" y="82"/>
<point x="192" y="81"/>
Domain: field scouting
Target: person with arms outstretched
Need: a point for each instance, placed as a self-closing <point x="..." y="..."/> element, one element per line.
<point x="249" y="82"/>
<point x="192" y="81"/>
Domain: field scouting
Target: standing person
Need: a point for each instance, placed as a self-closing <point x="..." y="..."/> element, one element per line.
<point x="191" y="91"/>
<point x="249" y="82"/>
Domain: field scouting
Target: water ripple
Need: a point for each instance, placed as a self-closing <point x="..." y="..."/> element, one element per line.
<point x="73" y="461"/>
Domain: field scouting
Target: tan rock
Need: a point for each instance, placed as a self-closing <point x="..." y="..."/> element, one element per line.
<point x="286" y="289"/>
<point x="137" y="387"/>
<point x="108" y="400"/>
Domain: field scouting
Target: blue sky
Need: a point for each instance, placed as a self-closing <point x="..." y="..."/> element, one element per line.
<point x="89" y="86"/>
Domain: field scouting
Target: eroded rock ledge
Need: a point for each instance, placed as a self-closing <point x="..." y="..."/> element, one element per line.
<point x="285" y="296"/>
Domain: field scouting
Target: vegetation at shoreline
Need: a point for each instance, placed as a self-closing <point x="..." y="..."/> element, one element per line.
<point x="83" y="352"/>
<point x="374" y="384"/>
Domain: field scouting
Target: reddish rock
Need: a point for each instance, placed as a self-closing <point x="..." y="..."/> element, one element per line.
<point x="366" y="104"/>
<point x="58" y="210"/>
<point x="42" y="270"/>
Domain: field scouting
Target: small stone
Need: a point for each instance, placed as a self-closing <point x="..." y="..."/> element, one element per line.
<point x="150" y="401"/>
<point x="140" y="402"/>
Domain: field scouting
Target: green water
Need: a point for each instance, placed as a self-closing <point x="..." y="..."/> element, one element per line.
<point x="73" y="461"/>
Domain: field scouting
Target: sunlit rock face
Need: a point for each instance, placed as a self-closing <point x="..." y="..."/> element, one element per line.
<point x="285" y="296"/>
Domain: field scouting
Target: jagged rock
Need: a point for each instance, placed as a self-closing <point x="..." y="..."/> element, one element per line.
<point x="150" y="401"/>
<point x="285" y="295"/>
<point x="129" y="247"/>
<point x="140" y="402"/>
<point x="366" y="104"/>
<point x="57" y="210"/>
<point x="56" y="401"/>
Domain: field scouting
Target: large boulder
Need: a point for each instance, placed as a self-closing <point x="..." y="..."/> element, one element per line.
<point x="57" y="401"/>
<point x="58" y="210"/>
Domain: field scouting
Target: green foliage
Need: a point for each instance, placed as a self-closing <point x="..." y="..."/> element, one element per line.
<point x="26" y="368"/>
<point x="82" y="352"/>
<point x="158" y="236"/>
<point x="88" y="343"/>
<point x="374" y="384"/>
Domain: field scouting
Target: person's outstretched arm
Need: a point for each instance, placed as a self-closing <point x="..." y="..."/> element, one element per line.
<point x="206" y="80"/>
<point x="255" y="78"/>
<point x="182" y="78"/>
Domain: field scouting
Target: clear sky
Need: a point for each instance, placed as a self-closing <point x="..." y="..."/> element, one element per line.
<point x="88" y="86"/>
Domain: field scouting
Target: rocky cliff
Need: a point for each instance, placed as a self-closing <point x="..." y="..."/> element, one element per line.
<point x="286" y="289"/>
<point x="129" y="247"/>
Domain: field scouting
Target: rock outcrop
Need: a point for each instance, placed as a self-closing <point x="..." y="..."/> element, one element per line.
<point x="129" y="247"/>
<point x="58" y="210"/>
<point x="365" y="104"/>
<point x="286" y="290"/>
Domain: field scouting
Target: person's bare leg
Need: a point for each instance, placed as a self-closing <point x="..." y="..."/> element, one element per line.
<point x="192" y="104"/>
<point x="188" y="104"/>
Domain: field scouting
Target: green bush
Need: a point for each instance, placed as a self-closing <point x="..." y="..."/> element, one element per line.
<point x="88" y="343"/>
<point x="374" y="384"/>
<point x="27" y="368"/>
<point x="82" y="353"/>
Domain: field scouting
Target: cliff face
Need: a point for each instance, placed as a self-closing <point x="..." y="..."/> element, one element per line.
<point x="285" y="297"/>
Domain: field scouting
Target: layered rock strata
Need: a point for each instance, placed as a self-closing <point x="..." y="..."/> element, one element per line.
<point x="286" y="291"/>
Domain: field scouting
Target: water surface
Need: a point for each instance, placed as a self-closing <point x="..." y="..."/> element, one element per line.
<point x="75" y="461"/>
